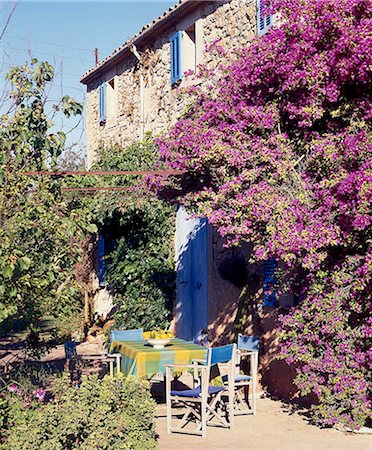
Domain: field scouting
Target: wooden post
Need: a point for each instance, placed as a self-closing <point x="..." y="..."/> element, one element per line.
<point x="86" y="306"/>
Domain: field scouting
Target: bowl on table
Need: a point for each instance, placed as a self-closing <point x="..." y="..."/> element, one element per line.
<point x="158" y="339"/>
<point x="159" y="343"/>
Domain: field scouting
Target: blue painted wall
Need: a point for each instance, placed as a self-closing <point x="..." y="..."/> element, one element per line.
<point x="192" y="275"/>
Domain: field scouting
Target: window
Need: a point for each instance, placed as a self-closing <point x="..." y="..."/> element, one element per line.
<point x="111" y="104"/>
<point x="101" y="260"/>
<point x="186" y="51"/>
<point x="269" y="291"/>
<point x="108" y="102"/>
<point x="189" y="49"/>
<point x="102" y="102"/>
<point x="264" y="21"/>
<point x="105" y="246"/>
<point x="175" y="57"/>
<point x="271" y="296"/>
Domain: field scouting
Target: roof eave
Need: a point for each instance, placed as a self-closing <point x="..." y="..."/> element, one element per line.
<point x="112" y="60"/>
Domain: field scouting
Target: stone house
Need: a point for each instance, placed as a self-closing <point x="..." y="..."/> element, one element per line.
<point x="135" y="90"/>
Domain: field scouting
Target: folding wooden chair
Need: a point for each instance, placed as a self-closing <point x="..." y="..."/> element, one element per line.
<point x="72" y="358"/>
<point x="204" y="402"/>
<point x="123" y="335"/>
<point x="247" y="347"/>
<point x="70" y="350"/>
<point x="126" y="335"/>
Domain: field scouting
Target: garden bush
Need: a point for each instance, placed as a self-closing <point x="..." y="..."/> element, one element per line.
<point x="109" y="413"/>
<point x="140" y="269"/>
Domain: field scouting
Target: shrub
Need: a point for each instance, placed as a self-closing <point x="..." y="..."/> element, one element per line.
<point x="140" y="269"/>
<point x="111" y="413"/>
<point x="140" y="272"/>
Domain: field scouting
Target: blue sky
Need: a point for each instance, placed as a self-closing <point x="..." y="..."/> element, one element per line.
<point x="66" y="33"/>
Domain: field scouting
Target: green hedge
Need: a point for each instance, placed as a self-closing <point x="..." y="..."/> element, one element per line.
<point x="110" y="414"/>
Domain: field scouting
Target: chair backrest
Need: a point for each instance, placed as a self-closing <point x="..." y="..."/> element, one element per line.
<point x="221" y="354"/>
<point x="126" y="335"/>
<point x="250" y="343"/>
<point x="70" y="349"/>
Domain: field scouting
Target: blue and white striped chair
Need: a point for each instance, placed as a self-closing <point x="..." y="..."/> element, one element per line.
<point x="204" y="402"/>
<point x="248" y="346"/>
<point x="123" y="335"/>
<point x="126" y="335"/>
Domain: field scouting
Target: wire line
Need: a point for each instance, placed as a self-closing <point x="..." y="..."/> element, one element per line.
<point x="51" y="43"/>
<point x="50" y="54"/>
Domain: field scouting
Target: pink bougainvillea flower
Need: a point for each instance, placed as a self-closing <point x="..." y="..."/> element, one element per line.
<point x="40" y="394"/>
<point x="275" y="150"/>
<point x="13" y="388"/>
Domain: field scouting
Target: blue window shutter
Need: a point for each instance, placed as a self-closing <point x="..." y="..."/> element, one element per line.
<point x="101" y="261"/>
<point x="102" y="102"/>
<point x="175" y="57"/>
<point x="269" y="292"/>
<point x="264" y="21"/>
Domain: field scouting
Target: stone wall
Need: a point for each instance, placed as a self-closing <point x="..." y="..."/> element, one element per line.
<point x="233" y="22"/>
<point x="235" y="305"/>
<point x="231" y="307"/>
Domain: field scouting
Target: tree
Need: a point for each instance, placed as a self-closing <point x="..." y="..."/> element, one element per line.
<point x="276" y="151"/>
<point x="40" y="233"/>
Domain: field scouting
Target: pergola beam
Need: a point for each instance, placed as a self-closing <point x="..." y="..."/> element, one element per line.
<point x="92" y="189"/>
<point x="101" y="172"/>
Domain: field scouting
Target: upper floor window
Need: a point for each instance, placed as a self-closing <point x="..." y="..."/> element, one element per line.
<point x="264" y="20"/>
<point x="184" y="51"/>
<point x="108" y="102"/>
<point x="102" y="102"/>
<point x="189" y="49"/>
<point x="111" y="106"/>
<point x="175" y="57"/>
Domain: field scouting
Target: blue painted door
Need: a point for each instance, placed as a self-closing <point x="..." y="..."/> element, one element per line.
<point x="192" y="275"/>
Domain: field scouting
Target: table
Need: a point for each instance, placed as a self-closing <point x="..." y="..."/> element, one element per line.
<point x="140" y="359"/>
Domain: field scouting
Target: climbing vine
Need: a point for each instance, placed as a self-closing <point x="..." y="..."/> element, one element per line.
<point x="276" y="151"/>
<point x="140" y="269"/>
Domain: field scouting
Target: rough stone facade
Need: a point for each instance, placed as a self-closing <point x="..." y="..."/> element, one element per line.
<point x="233" y="23"/>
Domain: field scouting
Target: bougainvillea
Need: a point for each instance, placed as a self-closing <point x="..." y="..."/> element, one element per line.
<point x="276" y="150"/>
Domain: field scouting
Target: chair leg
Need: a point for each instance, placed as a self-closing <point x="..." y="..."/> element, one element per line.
<point x="213" y="411"/>
<point x="111" y="363"/>
<point x="203" y="418"/>
<point x="231" y="403"/>
<point x="118" y="368"/>
<point x="254" y="382"/>
<point x="242" y="400"/>
<point x="167" y="383"/>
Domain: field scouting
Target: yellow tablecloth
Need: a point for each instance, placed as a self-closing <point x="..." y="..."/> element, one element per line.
<point x="140" y="359"/>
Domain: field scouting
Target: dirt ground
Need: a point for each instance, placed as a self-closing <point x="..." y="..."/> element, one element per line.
<point x="272" y="428"/>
